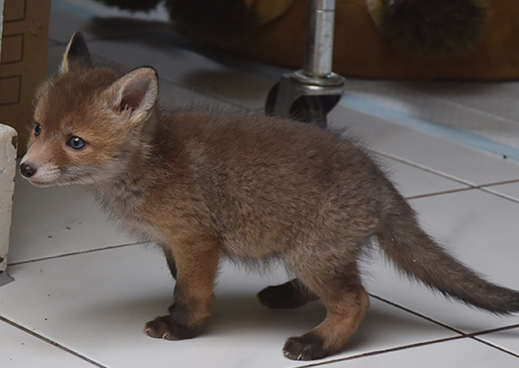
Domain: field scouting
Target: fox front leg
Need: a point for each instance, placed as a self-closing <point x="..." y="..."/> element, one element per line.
<point x="170" y="259"/>
<point x="196" y="267"/>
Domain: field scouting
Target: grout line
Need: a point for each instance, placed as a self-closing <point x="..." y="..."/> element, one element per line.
<point x="439" y="173"/>
<point x="379" y="352"/>
<point x="493" y="330"/>
<point x="483" y="187"/>
<point x="421" y="167"/>
<point x="477" y="337"/>
<point x="465" y="334"/>
<point x="53" y="343"/>
<point x="472" y="335"/>
<point x="495" y="346"/>
<point x="439" y="193"/>
<point x="500" y="195"/>
<point x="418" y="314"/>
<point x="499" y="183"/>
<point x="72" y="254"/>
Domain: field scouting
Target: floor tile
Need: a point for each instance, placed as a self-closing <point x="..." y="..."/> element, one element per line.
<point x="486" y="109"/>
<point x="97" y="21"/>
<point x="187" y="68"/>
<point x="21" y="350"/>
<point x="58" y="220"/>
<point x="439" y="154"/>
<point x="494" y="99"/>
<point x="480" y="230"/>
<point x="109" y="295"/>
<point x="412" y="181"/>
<point x="450" y="354"/>
<point x="506" y="339"/>
<point x="510" y="190"/>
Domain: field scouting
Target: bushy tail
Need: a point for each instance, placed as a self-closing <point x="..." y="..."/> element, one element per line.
<point x="415" y="253"/>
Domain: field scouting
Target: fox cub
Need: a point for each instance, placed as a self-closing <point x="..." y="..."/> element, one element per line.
<point x="207" y="186"/>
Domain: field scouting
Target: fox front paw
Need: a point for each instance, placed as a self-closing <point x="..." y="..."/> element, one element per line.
<point x="165" y="328"/>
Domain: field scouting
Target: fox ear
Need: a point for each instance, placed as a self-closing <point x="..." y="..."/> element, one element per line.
<point x="135" y="92"/>
<point x="76" y="54"/>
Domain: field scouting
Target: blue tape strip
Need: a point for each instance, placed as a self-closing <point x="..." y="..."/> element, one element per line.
<point x="457" y="135"/>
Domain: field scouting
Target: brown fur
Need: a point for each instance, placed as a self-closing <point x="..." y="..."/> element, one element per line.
<point x="204" y="186"/>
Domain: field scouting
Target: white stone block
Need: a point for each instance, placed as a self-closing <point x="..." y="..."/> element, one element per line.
<point x="8" y="139"/>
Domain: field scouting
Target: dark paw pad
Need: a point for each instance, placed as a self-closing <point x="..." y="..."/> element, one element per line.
<point x="306" y="347"/>
<point x="282" y="297"/>
<point x="164" y="328"/>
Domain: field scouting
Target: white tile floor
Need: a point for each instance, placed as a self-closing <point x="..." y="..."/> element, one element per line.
<point x="83" y="290"/>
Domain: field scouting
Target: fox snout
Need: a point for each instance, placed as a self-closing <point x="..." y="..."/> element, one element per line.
<point x="41" y="174"/>
<point x="27" y="169"/>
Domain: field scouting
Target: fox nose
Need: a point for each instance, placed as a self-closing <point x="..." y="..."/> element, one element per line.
<point x="27" y="170"/>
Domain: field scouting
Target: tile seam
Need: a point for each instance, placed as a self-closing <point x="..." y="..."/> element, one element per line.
<point x="72" y="254"/>
<point x="418" y="315"/>
<point x="503" y="350"/>
<point x="51" y="342"/>
<point x="384" y="351"/>
<point x="421" y="167"/>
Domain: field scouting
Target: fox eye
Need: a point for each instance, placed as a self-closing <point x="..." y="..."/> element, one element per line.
<point x="76" y="143"/>
<point x="37" y="129"/>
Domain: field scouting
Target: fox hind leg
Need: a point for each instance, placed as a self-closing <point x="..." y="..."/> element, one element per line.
<point x="291" y="294"/>
<point x="346" y="303"/>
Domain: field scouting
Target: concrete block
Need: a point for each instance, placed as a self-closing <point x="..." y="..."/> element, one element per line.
<point x="8" y="146"/>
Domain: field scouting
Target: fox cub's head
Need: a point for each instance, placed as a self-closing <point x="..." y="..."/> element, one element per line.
<point x="88" y="121"/>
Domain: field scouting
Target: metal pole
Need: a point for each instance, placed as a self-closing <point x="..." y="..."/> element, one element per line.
<point x="310" y="93"/>
<point x="319" y="38"/>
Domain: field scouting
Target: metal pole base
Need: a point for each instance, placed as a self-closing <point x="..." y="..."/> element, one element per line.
<point x="305" y="98"/>
<point x="308" y="95"/>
